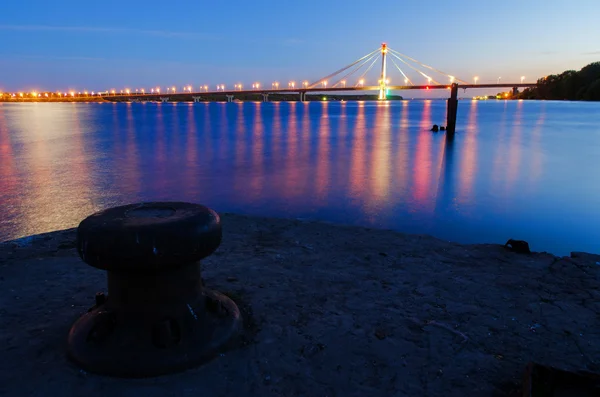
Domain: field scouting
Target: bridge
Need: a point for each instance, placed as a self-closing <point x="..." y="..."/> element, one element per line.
<point x="335" y="82"/>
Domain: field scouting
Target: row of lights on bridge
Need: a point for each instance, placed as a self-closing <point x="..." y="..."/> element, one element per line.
<point x="275" y="85"/>
<point x="205" y="88"/>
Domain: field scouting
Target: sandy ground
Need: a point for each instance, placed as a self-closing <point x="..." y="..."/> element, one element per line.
<point x="337" y="311"/>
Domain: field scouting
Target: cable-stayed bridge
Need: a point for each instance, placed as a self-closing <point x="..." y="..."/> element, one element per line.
<point x="415" y="75"/>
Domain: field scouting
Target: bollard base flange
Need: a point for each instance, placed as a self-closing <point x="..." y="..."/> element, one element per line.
<point x="170" y="338"/>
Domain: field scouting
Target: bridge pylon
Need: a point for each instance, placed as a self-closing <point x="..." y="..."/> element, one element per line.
<point x="383" y="78"/>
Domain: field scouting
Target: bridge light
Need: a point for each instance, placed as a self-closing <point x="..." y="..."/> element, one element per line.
<point x="522" y="78"/>
<point x="405" y="81"/>
<point x="127" y="91"/>
<point x="475" y="79"/>
<point x="387" y="81"/>
<point x="305" y="83"/>
<point x="361" y="82"/>
<point x="324" y="83"/>
<point x="451" y="79"/>
<point x="343" y="83"/>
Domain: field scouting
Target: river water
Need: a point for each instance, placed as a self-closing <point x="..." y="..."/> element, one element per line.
<point x="515" y="169"/>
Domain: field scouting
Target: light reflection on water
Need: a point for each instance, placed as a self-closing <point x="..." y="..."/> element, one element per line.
<point x="514" y="170"/>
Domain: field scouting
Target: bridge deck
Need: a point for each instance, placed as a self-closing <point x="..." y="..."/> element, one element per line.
<point x="323" y="89"/>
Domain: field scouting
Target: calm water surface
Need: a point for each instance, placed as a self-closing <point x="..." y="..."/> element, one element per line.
<point x="525" y="170"/>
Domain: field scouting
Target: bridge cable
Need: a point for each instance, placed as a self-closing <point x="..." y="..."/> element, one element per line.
<point x="413" y="68"/>
<point x="398" y="67"/>
<point x="356" y="69"/>
<point x="369" y="68"/>
<point x="342" y="69"/>
<point x="427" y="66"/>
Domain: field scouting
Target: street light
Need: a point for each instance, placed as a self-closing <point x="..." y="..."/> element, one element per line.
<point x="291" y="84"/>
<point x="451" y="79"/>
<point x="522" y="78"/>
<point x="361" y="82"/>
<point x="275" y="84"/>
<point x="499" y="80"/>
<point x="405" y="81"/>
<point x="324" y="83"/>
<point x="305" y="84"/>
<point x="475" y="79"/>
<point x="257" y="85"/>
<point x="343" y="83"/>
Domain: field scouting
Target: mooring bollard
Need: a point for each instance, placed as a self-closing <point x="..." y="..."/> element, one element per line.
<point x="157" y="317"/>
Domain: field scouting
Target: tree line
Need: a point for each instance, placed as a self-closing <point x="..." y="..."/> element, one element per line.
<point x="582" y="85"/>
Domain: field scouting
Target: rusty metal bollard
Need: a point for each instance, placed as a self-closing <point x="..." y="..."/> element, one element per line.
<point x="157" y="318"/>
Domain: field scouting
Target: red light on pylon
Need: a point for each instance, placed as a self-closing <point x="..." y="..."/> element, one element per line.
<point x="427" y="87"/>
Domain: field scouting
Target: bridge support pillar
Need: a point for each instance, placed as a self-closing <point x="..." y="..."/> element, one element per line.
<point x="515" y="91"/>
<point x="265" y="97"/>
<point x="302" y="96"/>
<point x="229" y="98"/>
<point x="196" y="98"/>
<point x="452" y="110"/>
<point x="164" y="99"/>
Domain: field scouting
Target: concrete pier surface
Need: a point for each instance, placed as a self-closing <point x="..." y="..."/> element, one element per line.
<point x="329" y="311"/>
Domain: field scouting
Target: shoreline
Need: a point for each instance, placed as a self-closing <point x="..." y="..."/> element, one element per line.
<point x="53" y="100"/>
<point x="334" y="310"/>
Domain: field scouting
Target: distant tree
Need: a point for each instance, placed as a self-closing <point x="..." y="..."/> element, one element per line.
<point x="569" y="85"/>
<point x="593" y="92"/>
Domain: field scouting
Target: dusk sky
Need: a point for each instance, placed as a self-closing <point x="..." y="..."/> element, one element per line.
<point x="98" y="45"/>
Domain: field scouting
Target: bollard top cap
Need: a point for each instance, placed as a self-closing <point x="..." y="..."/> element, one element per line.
<point x="148" y="236"/>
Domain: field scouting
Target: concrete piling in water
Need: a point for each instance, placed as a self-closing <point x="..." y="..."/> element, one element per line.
<point x="452" y="109"/>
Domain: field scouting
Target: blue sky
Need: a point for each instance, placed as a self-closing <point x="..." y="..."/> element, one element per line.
<point x="97" y="45"/>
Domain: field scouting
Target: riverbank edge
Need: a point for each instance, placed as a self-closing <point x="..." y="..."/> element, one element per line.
<point x="334" y="310"/>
